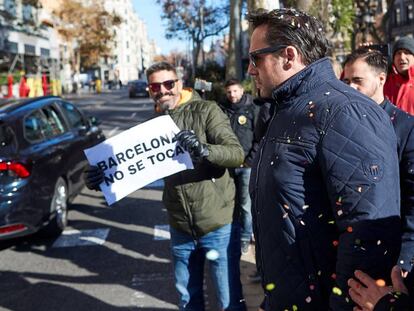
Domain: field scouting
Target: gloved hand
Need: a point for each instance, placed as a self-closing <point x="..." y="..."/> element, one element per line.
<point x="190" y="142"/>
<point x="93" y="176"/>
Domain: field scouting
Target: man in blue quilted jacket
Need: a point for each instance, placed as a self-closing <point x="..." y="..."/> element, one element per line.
<point x="325" y="184"/>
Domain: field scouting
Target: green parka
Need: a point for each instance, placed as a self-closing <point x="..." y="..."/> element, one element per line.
<point x="201" y="200"/>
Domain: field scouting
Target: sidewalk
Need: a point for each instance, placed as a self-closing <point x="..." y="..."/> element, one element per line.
<point x="253" y="292"/>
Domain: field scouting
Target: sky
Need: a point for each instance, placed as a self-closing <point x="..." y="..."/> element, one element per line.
<point x="150" y="12"/>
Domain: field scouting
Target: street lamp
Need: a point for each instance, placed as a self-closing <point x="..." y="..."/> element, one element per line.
<point x="365" y="11"/>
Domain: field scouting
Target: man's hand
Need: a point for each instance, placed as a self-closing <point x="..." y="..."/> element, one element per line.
<point x="93" y="176"/>
<point x="190" y="142"/>
<point x="366" y="292"/>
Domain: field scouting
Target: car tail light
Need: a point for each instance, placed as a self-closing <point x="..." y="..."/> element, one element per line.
<point x="18" y="168"/>
<point x="12" y="228"/>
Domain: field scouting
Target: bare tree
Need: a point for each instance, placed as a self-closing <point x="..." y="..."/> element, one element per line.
<point x="195" y="20"/>
<point x="233" y="65"/>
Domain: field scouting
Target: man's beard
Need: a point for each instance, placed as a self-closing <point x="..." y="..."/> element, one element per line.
<point x="164" y="106"/>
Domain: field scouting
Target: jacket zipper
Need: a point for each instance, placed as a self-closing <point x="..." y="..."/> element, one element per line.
<point x="257" y="187"/>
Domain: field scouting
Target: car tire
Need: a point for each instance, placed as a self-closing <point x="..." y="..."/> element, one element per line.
<point x="59" y="208"/>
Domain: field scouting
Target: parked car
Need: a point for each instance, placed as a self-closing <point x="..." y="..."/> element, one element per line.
<point x="41" y="163"/>
<point x="138" y="88"/>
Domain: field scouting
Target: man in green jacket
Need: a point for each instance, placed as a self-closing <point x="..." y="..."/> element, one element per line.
<point x="200" y="202"/>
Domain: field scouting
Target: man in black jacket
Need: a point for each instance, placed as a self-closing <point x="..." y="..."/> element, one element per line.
<point x="325" y="185"/>
<point x="366" y="71"/>
<point x="243" y="113"/>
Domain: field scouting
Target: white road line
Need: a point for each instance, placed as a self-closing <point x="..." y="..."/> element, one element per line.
<point x="71" y="238"/>
<point x="162" y="232"/>
<point x="113" y="131"/>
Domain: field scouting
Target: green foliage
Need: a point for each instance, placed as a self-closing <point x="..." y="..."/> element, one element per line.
<point x="248" y="85"/>
<point x="3" y="77"/>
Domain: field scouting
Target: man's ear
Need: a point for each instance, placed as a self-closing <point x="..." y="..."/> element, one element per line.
<point x="292" y="57"/>
<point x="382" y="77"/>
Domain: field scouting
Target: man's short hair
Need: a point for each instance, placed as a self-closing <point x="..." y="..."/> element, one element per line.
<point x="231" y="82"/>
<point x="373" y="58"/>
<point x="159" y="67"/>
<point x="293" y="27"/>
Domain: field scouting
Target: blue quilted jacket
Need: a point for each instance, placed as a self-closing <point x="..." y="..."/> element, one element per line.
<point x="325" y="193"/>
<point x="404" y="128"/>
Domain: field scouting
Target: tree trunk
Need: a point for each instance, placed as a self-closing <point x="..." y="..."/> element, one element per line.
<point x="304" y="5"/>
<point x="233" y="66"/>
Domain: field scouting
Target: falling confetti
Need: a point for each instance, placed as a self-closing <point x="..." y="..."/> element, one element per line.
<point x="305" y="207"/>
<point x="339" y="212"/>
<point x="380" y="282"/>
<point x="337" y="291"/>
<point x="359" y="189"/>
<point x="270" y="286"/>
<point x="349" y="229"/>
<point x="286" y="206"/>
<point x="333" y="276"/>
<point x="212" y="254"/>
<point x="335" y="243"/>
<point x="379" y="242"/>
<point x="308" y="299"/>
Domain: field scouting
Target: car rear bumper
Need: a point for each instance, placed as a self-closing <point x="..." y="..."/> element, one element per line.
<point x="18" y="217"/>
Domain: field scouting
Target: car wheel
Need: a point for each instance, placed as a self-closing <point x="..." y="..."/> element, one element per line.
<point x="59" y="208"/>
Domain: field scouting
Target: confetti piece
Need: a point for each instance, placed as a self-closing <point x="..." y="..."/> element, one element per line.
<point x="349" y="229"/>
<point x="310" y="103"/>
<point x="302" y="223"/>
<point x="402" y="262"/>
<point x="335" y="243"/>
<point x="327" y="93"/>
<point x="331" y="222"/>
<point x="270" y="286"/>
<point x="379" y="242"/>
<point x="285" y="215"/>
<point x="311" y="115"/>
<point x="339" y="212"/>
<point x="312" y="287"/>
<point x="295" y="308"/>
<point x="320" y="216"/>
<point x="212" y="254"/>
<point x="304" y="207"/>
<point x="286" y="206"/>
<point x="319" y="272"/>
<point x="333" y="276"/>
<point x="380" y="282"/>
<point x="337" y="291"/>
<point x="308" y="299"/>
<point x="359" y="189"/>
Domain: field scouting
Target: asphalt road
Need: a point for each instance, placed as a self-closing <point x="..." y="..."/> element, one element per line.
<point x="109" y="258"/>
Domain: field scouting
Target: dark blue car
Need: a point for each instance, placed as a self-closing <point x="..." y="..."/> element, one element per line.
<point x="41" y="163"/>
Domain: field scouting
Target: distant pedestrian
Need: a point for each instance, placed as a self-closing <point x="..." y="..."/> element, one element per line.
<point x="200" y="202"/>
<point x="243" y="114"/>
<point x="399" y="88"/>
<point x="324" y="186"/>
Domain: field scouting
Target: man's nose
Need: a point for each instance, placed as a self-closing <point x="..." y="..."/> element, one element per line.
<point x="251" y="70"/>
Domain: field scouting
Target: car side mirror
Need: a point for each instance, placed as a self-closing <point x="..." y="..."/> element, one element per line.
<point x="94" y="121"/>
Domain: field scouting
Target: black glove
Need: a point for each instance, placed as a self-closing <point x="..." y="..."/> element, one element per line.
<point x="93" y="176"/>
<point x="189" y="141"/>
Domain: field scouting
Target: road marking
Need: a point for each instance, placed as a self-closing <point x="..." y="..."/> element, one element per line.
<point x="71" y="238"/>
<point x="114" y="130"/>
<point x="162" y="232"/>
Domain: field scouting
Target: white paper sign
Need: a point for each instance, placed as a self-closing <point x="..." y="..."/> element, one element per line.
<point x="138" y="156"/>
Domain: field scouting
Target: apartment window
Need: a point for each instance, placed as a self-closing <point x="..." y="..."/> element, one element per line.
<point x="12" y="47"/>
<point x="44" y="52"/>
<point x="127" y="58"/>
<point x="410" y="13"/>
<point x="127" y="44"/>
<point x="29" y="49"/>
<point x="397" y="16"/>
<point x="10" y="6"/>
<point x="28" y="13"/>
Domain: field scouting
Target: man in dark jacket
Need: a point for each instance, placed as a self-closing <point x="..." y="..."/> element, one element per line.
<point x="325" y="185"/>
<point x="366" y="71"/>
<point x="243" y="113"/>
<point x="200" y="202"/>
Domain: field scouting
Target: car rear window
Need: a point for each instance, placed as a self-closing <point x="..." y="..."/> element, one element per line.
<point x="8" y="141"/>
<point x="35" y="126"/>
